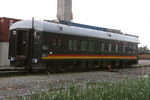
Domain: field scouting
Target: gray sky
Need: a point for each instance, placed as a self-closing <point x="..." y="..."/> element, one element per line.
<point x="130" y="16"/>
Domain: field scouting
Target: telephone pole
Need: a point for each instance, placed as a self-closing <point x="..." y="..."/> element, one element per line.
<point x="64" y="10"/>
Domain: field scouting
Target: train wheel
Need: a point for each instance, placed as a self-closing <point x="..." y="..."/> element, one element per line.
<point x="63" y="68"/>
<point x="129" y="65"/>
<point x="51" y="68"/>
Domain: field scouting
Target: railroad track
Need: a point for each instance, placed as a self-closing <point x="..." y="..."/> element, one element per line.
<point x="10" y="71"/>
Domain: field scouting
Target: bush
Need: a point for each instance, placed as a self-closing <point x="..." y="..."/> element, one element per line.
<point x="137" y="89"/>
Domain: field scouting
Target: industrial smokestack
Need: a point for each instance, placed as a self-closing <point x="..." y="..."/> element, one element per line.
<point x="64" y="10"/>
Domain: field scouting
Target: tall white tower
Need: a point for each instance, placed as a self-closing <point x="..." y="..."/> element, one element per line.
<point x="64" y="10"/>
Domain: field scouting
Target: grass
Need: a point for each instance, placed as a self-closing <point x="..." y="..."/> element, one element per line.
<point x="136" y="89"/>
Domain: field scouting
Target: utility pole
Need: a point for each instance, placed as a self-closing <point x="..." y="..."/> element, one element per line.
<point x="64" y="10"/>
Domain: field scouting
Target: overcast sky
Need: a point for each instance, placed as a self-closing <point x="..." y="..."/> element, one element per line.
<point x="129" y="16"/>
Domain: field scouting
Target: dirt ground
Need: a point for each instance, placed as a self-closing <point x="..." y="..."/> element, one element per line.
<point x="25" y="85"/>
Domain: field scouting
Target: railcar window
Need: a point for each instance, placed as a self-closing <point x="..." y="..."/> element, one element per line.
<point x="70" y="44"/>
<point x="59" y="42"/>
<point x="130" y="49"/>
<point x="120" y="48"/>
<point x="14" y="32"/>
<point x="37" y="36"/>
<point x="110" y="47"/>
<point x="99" y="46"/>
<point x="102" y="47"/>
<point x="73" y="44"/>
<point x="91" y="46"/>
<point x="84" y="45"/>
<point x="134" y="49"/>
<point x="45" y="47"/>
<point x="54" y="43"/>
<point x="113" y="48"/>
<point x="116" y="47"/>
<point x="124" y="50"/>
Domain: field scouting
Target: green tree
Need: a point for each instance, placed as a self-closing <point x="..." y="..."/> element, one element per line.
<point x="143" y="49"/>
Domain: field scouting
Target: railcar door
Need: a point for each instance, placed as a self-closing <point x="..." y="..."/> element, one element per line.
<point x="22" y="43"/>
<point x="21" y="47"/>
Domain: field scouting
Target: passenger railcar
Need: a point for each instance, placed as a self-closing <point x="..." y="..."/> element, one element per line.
<point x="59" y="47"/>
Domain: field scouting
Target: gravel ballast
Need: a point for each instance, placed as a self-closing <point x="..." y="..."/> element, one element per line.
<point x="25" y="85"/>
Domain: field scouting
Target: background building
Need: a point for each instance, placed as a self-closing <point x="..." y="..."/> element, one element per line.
<point x="5" y="23"/>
